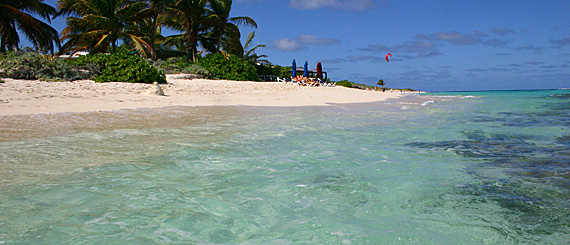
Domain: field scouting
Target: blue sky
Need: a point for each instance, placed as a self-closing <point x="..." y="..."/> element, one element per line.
<point x="435" y="45"/>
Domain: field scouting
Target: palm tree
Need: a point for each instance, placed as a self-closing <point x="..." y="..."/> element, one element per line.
<point x="150" y="22"/>
<point x="249" y="52"/>
<point x="15" y="14"/>
<point x="94" y="25"/>
<point x="381" y="83"/>
<point x="190" y="18"/>
<point x="147" y="30"/>
<point x="225" y="31"/>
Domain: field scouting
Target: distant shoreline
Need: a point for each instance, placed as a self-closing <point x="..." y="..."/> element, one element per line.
<point x="497" y="90"/>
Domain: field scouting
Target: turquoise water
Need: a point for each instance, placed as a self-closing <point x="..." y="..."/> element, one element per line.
<point x="478" y="167"/>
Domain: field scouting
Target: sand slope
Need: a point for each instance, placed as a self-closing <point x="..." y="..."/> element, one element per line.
<point x="30" y="97"/>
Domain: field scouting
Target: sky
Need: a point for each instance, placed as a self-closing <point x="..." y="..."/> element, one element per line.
<point x="444" y="45"/>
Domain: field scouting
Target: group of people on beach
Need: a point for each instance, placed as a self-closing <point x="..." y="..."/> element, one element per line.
<point x="307" y="81"/>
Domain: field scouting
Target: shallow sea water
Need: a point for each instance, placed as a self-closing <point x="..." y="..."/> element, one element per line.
<point x="479" y="167"/>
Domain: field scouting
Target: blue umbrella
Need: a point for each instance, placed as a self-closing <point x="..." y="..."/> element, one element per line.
<point x="306" y="69"/>
<point x="294" y="69"/>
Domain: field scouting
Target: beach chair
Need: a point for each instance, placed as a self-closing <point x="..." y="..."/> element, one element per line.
<point x="313" y="82"/>
<point x="283" y="80"/>
<point x="330" y="84"/>
<point x="324" y="83"/>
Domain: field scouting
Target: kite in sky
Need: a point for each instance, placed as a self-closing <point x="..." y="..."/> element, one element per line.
<point x="389" y="54"/>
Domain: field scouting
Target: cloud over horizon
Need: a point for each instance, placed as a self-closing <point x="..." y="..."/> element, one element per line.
<point x="428" y="45"/>
<point x="412" y="49"/>
<point x="559" y="43"/>
<point x="502" y="31"/>
<point x="350" y="5"/>
<point x="454" y="37"/>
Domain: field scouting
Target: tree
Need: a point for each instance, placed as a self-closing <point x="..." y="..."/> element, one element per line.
<point x="225" y="31"/>
<point x="94" y="25"/>
<point x="190" y="18"/>
<point x="381" y="83"/>
<point x="249" y="52"/>
<point x="15" y="14"/>
<point x="150" y="22"/>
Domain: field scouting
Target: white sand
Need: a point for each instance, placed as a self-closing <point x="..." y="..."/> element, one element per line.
<point x="30" y="97"/>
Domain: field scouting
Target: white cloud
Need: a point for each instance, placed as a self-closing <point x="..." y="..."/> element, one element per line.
<point x="502" y="31"/>
<point x="351" y="5"/>
<point x="314" y="40"/>
<point x="455" y="37"/>
<point x="409" y="50"/>
<point x="286" y="44"/>
<point x="299" y="43"/>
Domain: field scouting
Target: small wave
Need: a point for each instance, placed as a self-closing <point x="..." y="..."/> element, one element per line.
<point x="560" y="96"/>
<point x="446" y="96"/>
<point x="455" y="96"/>
<point x="428" y="102"/>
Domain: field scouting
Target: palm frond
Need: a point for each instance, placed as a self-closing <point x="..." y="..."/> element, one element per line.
<point x="248" y="21"/>
<point x="142" y="46"/>
<point x="18" y="15"/>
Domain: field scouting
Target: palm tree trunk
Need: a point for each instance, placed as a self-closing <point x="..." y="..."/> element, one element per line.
<point x="190" y="49"/>
<point x="193" y="41"/>
<point x="153" y="37"/>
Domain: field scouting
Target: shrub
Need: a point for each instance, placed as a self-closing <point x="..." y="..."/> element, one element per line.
<point x="230" y="68"/>
<point x="179" y="65"/>
<point x="268" y="69"/>
<point x="344" y="83"/>
<point x="121" y="67"/>
<point x="35" y="66"/>
<point x="348" y="84"/>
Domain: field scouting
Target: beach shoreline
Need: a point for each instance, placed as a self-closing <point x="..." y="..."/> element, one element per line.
<point x="21" y="97"/>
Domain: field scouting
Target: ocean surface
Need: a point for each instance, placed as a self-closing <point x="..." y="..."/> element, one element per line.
<point x="446" y="168"/>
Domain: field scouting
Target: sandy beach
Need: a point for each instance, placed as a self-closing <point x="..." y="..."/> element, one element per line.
<point x="31" y="97"/>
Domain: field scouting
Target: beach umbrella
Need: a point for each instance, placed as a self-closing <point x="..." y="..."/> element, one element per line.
<point x="319" y="70"/>
<point x="294" y="68"/>
<point x="306" y="69"/>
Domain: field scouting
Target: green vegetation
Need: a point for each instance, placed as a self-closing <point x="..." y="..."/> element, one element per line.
<point x="179" y="65"/>
<point x="98" y="26"/>
<point x="381" y="83"/>
<point x="230" y="67"/>
<point x="249" y="53"/>
<point x="348" y="84"/>
<point x="34" y="66"/>
<point x="225" y="35"/>
<point x="19" y="13"/>
<point x="95" y="25"/>
<point x="268" y="70"/>
<point x="121" y="67"/>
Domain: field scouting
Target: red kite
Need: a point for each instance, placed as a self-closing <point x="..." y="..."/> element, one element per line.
<point x="389" y="54"/>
